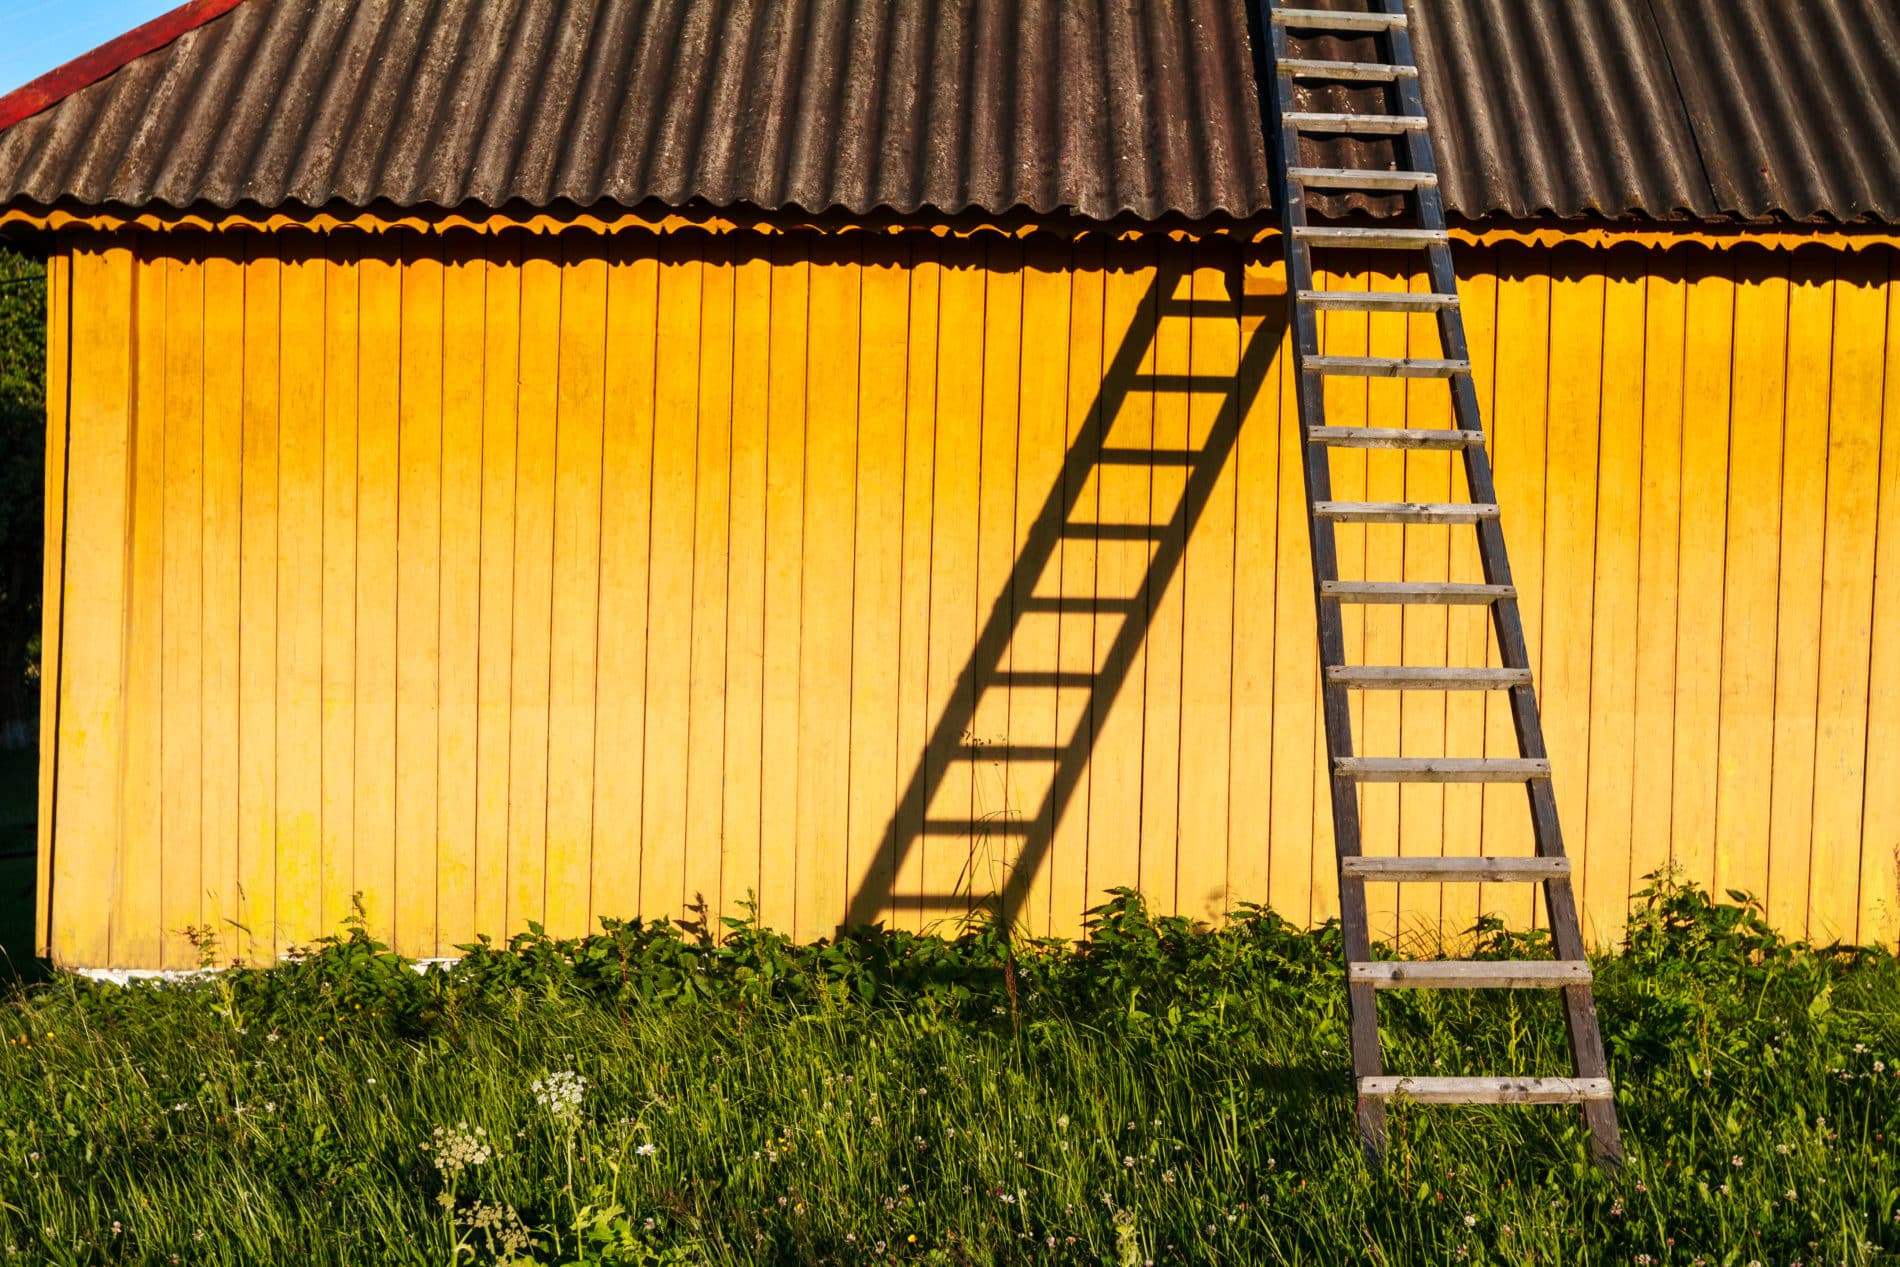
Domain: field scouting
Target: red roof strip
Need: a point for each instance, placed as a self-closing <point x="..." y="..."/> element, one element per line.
<point x="89" y="68"/>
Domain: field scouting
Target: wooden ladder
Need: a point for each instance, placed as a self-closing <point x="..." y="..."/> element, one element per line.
<point x="1404" y="121"/>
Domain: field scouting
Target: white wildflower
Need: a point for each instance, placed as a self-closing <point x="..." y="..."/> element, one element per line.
<point x="645" y="1150"/>
<point x="561" y="1092"/>
<point x="454" y="1149"/>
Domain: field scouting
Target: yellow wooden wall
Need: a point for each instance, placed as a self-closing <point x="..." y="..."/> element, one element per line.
<point x="508" y="578"/>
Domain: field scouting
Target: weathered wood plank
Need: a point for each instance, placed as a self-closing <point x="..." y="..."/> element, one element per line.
<point x="1425" y="678"/>
<point x="1470" y="974"/>
<point x="1451" y="870"/>
<point x="1406" y="513"/>
<point x="1487" y="1090"/>
<point x="1443" y="769"/>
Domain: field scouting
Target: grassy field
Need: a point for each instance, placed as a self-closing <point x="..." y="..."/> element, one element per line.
<point x="1155" y="1094"/>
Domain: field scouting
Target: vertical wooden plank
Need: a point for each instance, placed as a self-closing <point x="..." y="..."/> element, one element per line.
<point x="223" y="499"/>
<point x="380" y="326"/>
<point x="1300" y="863"/>
<point x="1081" y="406"/>
<point x="626" y="502"/>
<point x="1121" y="497"/>
<point x="1468" y="632"/>
<point x="299" y="708"/>
<point x="1880" y="823"/>
<point x="464" y="395"/>
<point x="530" y="639"/>
<point x="1346" y="400"/>
<point x="1209" y="581"/>
<point x="877" y="587"/>
<point x="1424" y="633"/>
<point x="712" y="508"/>
<point x="98" y="509"/>
<point x="824" y="686"/>
<point x="745" y="579"/>
<point x="1161" y="704"/>
<point x="1653" y="737"/>
<point x="1745" y="752"/>
<point x="1378" y="728"/>
<point x="914" y="718"/>
<point x="418" y="593"/>
<point x="1519" y="443"/>
<point x="1253" y="719"/>
<point x="670" y="595"/>
<point x="181" y="820"/>
<point x="494" y="704"/>
<point x="1004" y="791"/>
<point x="1570" y="539"/>
<point x="1802" y="532"/>
<point x="136" y="910"/>
<point x="953" y="561"/>
<point x="1708" y="341"/>
<point x="342" y="331"/>
<point x="1859" y="362"/>
<point x="579" y="436"/>
<point x="784" y="555"/>
<point x="257" y="608"/>
<point x="59" y="346"/>
<point x="1041" y="446"/>
<point x="1603" y="896"/>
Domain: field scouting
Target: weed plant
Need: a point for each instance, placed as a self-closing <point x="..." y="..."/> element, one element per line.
<point x="1157" y="1093"/>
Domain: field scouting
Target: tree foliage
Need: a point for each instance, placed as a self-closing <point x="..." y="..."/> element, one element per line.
<point x="22" y="488"/>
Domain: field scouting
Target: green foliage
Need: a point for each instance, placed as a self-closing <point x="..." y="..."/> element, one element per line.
<point x="701" y="1092"/>
<point x="22" y="480"/>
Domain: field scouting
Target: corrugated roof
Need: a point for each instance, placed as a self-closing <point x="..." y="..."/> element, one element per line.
<point x="1732" y="109"/>
<point x="1652" y="109"/>
<point x="1099" y="108"/>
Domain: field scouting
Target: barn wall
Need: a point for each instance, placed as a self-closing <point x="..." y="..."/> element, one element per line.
<point x="502" y="578"/>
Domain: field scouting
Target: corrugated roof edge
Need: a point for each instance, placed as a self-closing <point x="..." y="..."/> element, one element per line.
<point x="89" y="68"/>
<point x="1019" y="218"/>
<point x="24" y="223"/>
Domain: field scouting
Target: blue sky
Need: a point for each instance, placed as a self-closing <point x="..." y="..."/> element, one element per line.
<point x="37" y="35"/>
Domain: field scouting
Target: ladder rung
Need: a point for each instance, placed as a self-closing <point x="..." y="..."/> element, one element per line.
<point x="1354" y="124"/>
<point x="1312" y="68"/>
<point x="1377" y="239"/>
<point x="1443" y="769"/>
<point x="1455" y="870"/>
<point x="1395" y="437"/>
<point x="1486" y="1090"/>
<point x="1427" y="678"/>
<point x="1470" y="974"/>
<point x="1327" y="20"/>
<point x="1359" y="178"/>
<point x="1406" y="512"/>
<point x="1377" y="300"/>
<point x="1386" y="366"/>
<point x="1443" y="593"/>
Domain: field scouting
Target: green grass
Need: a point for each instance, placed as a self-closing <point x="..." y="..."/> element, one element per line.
<point x="1154" y="1094"/>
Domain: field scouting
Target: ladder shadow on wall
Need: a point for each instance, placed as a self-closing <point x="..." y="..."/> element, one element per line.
<point x="1013" y="847"/>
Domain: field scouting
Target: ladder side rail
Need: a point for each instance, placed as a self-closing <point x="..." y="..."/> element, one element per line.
<point x="1586" y="1040"/>
<point x="1361" y="997"/>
